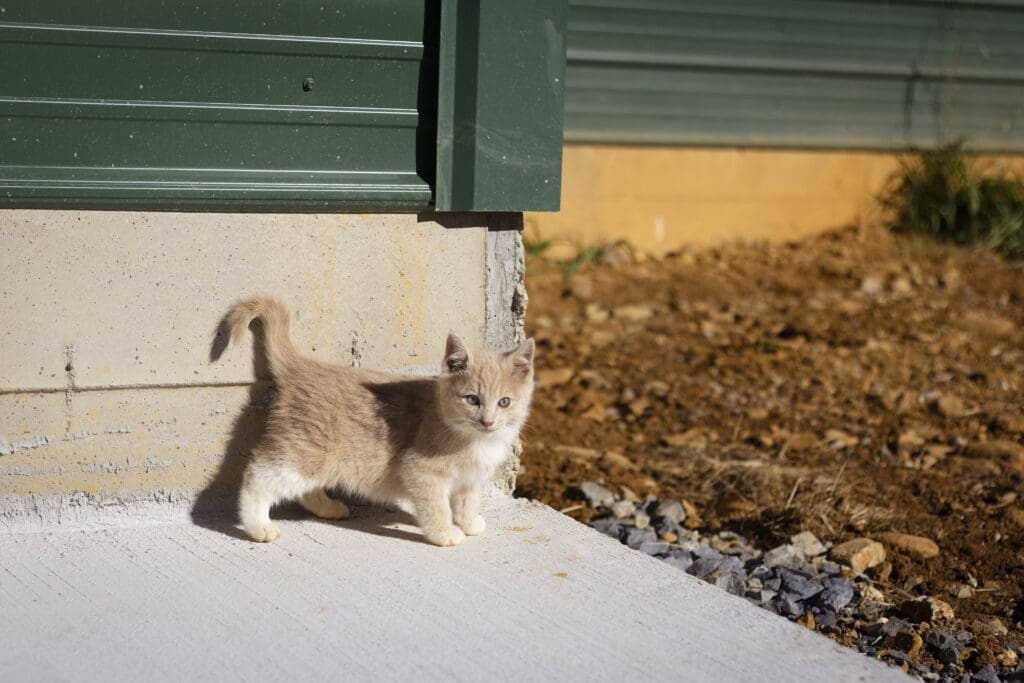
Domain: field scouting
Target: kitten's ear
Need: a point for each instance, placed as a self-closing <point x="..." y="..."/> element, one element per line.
<point x="456" y="356"/>
<point x="522" y="359"/>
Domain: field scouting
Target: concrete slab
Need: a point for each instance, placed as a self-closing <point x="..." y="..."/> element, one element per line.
<point x="538" y="597"/>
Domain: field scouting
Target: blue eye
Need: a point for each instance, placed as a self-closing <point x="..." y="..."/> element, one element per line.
<point x="505" y="402"/>
<point x="472" y="400"/>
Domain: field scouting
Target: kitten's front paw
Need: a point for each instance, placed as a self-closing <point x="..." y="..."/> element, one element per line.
<point x="451" y="536"/>
<point x="475" y="526"/>
<point x="264" y="533"/>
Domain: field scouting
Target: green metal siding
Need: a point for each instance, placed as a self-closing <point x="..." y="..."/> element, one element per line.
<point x="796" y="73"/>
<point x="203" y="104"/>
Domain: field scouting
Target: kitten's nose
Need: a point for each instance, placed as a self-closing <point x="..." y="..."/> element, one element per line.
<point x="487" y="423"/>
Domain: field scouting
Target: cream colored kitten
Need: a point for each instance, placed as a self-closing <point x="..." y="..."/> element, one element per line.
<point x="431" y="441"/>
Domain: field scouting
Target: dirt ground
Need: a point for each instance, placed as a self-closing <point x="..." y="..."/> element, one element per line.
<point x="851" y="384"/>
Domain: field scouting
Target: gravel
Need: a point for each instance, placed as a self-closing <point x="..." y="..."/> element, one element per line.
<point x="803" y="581"/>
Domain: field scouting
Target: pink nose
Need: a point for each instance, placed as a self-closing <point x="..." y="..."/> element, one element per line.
<point x="485" y="423"/>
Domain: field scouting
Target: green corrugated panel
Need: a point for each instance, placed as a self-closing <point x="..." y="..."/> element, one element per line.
<point x="220" y="104"/>
<point x="796" y="73"/>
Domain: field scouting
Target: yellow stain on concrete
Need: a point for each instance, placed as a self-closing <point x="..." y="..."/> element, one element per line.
<point x="660" y="198"/>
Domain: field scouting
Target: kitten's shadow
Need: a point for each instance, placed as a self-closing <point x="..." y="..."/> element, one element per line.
<point x="216" y="506"/>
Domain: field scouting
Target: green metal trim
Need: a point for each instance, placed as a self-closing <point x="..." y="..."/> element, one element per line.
<point x="500" y="105"/>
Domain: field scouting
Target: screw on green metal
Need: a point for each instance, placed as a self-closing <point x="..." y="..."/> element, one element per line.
<point x="307" y="84"/>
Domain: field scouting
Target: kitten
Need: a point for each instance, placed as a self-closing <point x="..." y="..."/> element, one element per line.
<point x="430" y="441"/>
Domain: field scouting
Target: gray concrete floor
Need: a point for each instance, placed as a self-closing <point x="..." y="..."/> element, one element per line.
<point x="539" y="597"/>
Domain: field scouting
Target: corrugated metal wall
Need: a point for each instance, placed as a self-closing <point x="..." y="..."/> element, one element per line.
<point x="796" y="73"/>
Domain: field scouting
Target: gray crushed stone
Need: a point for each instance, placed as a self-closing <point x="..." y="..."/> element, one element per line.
<point x="797" y="580"/>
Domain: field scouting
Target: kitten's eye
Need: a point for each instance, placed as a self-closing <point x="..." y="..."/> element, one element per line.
<point x="472" y="400"/>
<point x="505" y="402"/>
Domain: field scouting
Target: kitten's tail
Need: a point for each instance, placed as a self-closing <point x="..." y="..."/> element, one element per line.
<point x="281" y="355"/>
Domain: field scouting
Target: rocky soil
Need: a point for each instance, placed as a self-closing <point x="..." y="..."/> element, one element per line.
<point x="858" y="389"/>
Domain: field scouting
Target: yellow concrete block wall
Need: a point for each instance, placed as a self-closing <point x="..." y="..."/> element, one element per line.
<point x="661" y="198"/>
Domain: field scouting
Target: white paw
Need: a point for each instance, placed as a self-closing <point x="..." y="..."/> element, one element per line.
<point x="332" y="509"/>
<point x="264" y="533"/>
<point x="451" y="536"/>
<point x="474" y="527"/>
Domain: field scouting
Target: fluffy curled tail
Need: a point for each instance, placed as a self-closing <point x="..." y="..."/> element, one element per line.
<point x="281" y="354"/>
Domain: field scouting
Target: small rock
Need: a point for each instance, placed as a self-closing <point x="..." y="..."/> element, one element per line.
<point x="909" y="642"/>
<point x="839" y="439"/>
<point x="597" y="495"/>
<point x="949" y="406"/>
<point x="961" y="591"/>
<point x="789" y="605"/>
<point x="1016" y="516"/>
<point x="807" y="621"/>
<point x="802" y="441"/>
<point x="987" y="674"/>
<point x="871" y="596"/>
<point x="691" y="438"/>
<point x="629" y="494"/>
<point x="802" y="585"/>
<point x="732" y="505"/>
<point x="581" y="287"/>
<point x="611" y="459"/>
<point x="918" y="547"/>
<point x="623" y="509"/>
<point x="1000" y="449"/>
<point x="758" y="414"/>
<point x="639" y="406"/>
<point x="682" y="561"/>
<point x="637" y="537"/>
<point x="615" y="252"/>
<point x="786" y="555"/>
<point x="608" y="527"/>
<point x="927" y="609"/>
<point x="669" y="536"/>
<point x="671" y="509"/>
<point x="881" y="572"/>
<point x="838" y="594"/>
<point x="595" y="314"/>
<point x="859" y="554"/>
<point x="693" y="520"/>
<point x="553" y="377"/>
<point x="992" y="627"/>
<point x="634" y="313"/>
<point x="902" y="286"/>
<point x="657" y="389"/>
<point x="641" y="520"/>
<point x="1008" y="658"/>
<point x="808" y="544"/>
<point x="830" y="568"/>
<point x="653" y="547"/>
<point x="872" y="285"/>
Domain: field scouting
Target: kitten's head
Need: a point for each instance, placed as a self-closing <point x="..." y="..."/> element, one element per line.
<point x="486" y="392"/>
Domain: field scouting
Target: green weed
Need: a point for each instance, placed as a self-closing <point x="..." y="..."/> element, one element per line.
<point x="944" y="193"/>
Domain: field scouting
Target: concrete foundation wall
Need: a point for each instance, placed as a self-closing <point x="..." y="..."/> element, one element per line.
<point x="108" y="394"/>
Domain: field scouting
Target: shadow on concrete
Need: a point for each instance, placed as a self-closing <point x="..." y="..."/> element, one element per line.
<point x="216" y="506"/>
<point x="497" y="221"/>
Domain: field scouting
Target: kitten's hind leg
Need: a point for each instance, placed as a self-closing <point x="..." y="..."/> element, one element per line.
<point x="320" y="504"/>
<point x="466" y="512"/>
